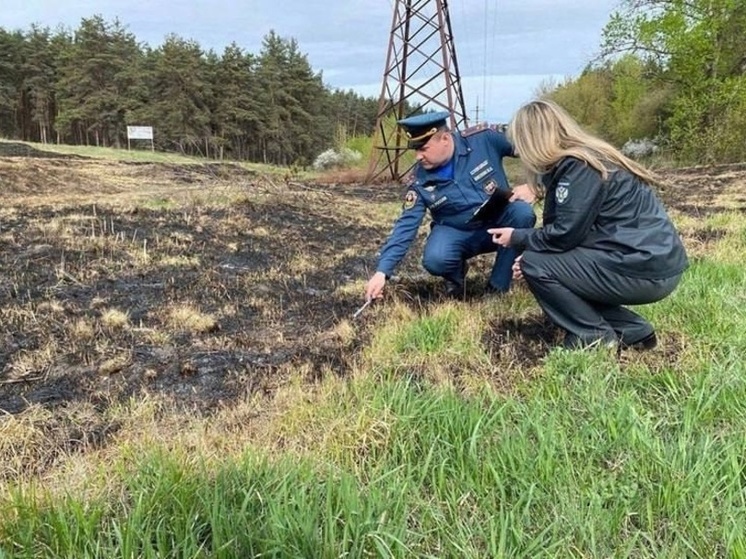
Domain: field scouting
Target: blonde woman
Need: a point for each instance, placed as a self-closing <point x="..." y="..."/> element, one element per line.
<point x="606" y="240"/>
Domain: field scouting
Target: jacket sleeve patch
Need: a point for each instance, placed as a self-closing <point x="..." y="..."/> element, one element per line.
<point x="562" y="192"/>
<point x="410" y="198"/>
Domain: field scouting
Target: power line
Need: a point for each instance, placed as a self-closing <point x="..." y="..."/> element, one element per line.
<point x="484" y="68"/>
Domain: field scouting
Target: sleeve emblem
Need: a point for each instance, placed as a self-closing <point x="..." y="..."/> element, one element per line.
<point x="409" y="200"/>
<point x="562" y="193"/>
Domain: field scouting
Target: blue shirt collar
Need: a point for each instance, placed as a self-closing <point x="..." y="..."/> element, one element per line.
<point x="446" y="171"/>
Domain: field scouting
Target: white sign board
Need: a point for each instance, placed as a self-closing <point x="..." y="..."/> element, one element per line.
<point x="139" y="132"/>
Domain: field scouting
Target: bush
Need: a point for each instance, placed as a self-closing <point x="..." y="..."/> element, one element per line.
<point x="639" y="148"/>
<point x="332" y="158"/>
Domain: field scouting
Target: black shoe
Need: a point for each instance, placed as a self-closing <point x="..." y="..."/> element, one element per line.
<point x="643" y="344"/>
<point x="456" y="289"/>
<point x="492" y="290"/>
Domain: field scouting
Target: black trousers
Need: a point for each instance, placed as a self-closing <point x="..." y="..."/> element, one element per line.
<point x="585" y="298"/>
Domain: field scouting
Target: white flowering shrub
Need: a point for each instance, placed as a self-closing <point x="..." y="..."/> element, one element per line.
<point x="639" y="148"/>
<point x="332" y="158"/>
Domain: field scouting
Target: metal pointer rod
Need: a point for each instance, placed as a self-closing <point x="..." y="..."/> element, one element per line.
<point x="361" y="309"/>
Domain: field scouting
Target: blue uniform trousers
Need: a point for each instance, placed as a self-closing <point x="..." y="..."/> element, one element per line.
<point x="447" y="248"/>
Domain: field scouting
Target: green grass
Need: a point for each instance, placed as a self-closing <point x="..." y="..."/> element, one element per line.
<point x="143" y="155"/>
<point x="428" y="334"/>
<point x="592" y="462"/>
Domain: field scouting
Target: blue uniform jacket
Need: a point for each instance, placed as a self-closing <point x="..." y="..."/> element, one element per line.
<point x="478" y="172"/>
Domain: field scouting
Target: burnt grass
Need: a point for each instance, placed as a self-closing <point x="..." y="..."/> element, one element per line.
<point x="270" y="265"/>
<point x="268" y="268"/>
<point x="240" y="355"/>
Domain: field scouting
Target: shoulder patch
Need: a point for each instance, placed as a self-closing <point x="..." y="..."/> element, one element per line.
<point x="409" y="200"/>
<point x="482" y="126"/>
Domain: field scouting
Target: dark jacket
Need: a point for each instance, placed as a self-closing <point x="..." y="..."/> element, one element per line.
<point x="620" y="217"/>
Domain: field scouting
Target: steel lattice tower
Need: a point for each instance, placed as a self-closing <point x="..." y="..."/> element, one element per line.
<point x="421" y="74"/>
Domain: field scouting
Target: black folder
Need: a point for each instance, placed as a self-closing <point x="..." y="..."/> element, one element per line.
<point x="492" y="207"/>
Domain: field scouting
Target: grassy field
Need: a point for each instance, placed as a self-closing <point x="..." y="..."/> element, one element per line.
<point x="139" y="154"/>
<point x="439" y="429"/>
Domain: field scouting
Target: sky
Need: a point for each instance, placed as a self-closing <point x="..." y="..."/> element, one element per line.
<point x="505" y="48"/>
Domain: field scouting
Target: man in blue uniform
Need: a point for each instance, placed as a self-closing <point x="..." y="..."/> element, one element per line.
<point x="454" y="175"/>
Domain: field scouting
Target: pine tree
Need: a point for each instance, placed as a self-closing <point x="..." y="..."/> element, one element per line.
<point x="237" y="111"/>
<point x="180" y="95"/>
<point x="11" y="82"/>
<point x="94" y="91"/>
<point x="40" y="76"/>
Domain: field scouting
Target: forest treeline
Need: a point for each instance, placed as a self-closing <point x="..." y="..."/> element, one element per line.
<point x="671" y="72"/>
<point x="84" y="86"/>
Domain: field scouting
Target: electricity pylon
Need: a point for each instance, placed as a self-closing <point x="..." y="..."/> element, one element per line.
<point x="421" y="74"/>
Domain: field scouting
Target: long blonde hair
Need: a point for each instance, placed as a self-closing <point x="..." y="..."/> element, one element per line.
<point x="542" y="133"/>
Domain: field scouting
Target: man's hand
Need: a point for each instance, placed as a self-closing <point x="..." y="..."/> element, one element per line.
<point x="374" y="288"/>
<point x="501" y="235"/>
<point x="517" y="272"/>
<point x="523" y="192"/>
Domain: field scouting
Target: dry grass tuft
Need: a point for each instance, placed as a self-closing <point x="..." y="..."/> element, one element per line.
<point x="180" y="261"/>
<point x="186" y="318"/>
<point x="115" y="364"/>
<point x="51" y="306"/>
<point x="344" y="333"/>
<point x="33" y="363"/>
<point x="114" y="319"/>
<point x="82" y="330"/>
